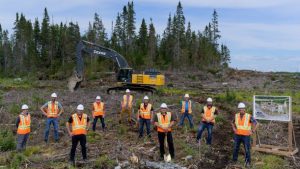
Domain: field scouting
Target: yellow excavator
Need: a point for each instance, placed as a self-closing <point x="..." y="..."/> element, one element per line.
<point x="126" y="78"/>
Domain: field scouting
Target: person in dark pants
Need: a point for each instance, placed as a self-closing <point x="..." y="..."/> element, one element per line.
<point x="144" y="116"/>
<point x="98" y="112"/>
<point x="80" y="125"/>
<point x="52" y="110"/>
<point x="186" y="111"/>
<point x="164" y="121"/>
<point x="209" y="113"/>
<point x="243" y="126"/>
<point x="23" y="123"/>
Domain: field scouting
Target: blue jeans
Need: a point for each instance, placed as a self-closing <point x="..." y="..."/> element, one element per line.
<point x="238" y="139"/>
<point x="209" y="127"/>
<point x="54" y="121"/>
<point x="141" y="126"/>
<point x="189" y="117"/>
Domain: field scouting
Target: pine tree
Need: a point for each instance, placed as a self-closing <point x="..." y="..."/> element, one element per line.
<point x="215" y="29"/>
<point x="45" y="42"/>
<point x="99" y="30"/>
<point x="142" y="44"/>
<point x="152" y="45"/>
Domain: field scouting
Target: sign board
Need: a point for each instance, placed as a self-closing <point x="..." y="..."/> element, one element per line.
<point x="276" y="108"/>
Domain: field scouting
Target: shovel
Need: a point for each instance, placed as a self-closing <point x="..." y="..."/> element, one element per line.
<point x="167" y="156"/>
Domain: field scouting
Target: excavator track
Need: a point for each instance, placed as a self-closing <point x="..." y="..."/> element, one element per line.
<point x="133" y="87"/>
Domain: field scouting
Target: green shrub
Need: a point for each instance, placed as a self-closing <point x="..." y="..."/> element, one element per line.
<point x="7" y="141"/>
<point x="14" y="109"/>
<point x="31" y="150"/>
<point x="104" y="162"/>
<point x="17" y="160"/>
<point x="272" y="162"/>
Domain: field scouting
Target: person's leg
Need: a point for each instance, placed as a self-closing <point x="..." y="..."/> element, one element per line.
<point x="246" y="142"/>
<point x="148" y="123"/>
<point x="161" y="139"/>
<point x="102" y="122"/>
<point x="171" y="144"/>
<point x="73" y="148"/>
<point x="26" y="137"/>
<point x="83" y="146"/>
<point x="190" y="118"/>
<point x="209" y="133"/>
<point x="200" y="131"/>
<point x="129" y="115"/>
<point x="141" y="127"/>
<point x="181" y="119"/>
<point x="56" y="125"/>
<point x="236" y="148"/>
<point x="48" y="121"/>
<point x="20" y="138"/>
<point x="95" y="122"/>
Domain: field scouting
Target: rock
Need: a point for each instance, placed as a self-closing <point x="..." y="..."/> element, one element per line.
<point x="161" y="165"/>
<point x="188" y="158"/>
<point x="118" y="167"/>
<point x="134" y="159"/>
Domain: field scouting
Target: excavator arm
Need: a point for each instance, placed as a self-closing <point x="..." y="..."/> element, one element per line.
<point x="124" y="71"/>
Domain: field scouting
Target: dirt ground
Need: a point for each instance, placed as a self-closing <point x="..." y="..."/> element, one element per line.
<point x="120" y="141"/>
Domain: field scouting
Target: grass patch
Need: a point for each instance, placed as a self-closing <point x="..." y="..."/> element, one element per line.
<point x="104" y="162"/>
<point x="17" y="160"/>
<point x="10" y="83"/>
<point x="263" y="161"/>
<point x="32" y="150"/>
<point x="7" y="141"/>
<point x="14" y="109"/>
<point x="93" y="137"/>
<point x="185" y="147"/>
<point x="173" y="91"/>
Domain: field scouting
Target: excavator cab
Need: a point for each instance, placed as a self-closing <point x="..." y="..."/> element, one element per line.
<point x="124" y="75"/>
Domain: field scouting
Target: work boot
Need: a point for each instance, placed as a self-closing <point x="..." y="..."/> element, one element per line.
<point x="72" y="163"/>
<point x="247" y="165"/>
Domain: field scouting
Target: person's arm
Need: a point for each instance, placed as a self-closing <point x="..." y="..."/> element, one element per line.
<point x="103" y="110"/>
<point x="68" y="126"/>
<point x="92" y="108"/>
<point x="88" y="124"/>
<point x="254" y="125"/>
<point x="61" y="109"/>
<point x="233" y="126"/>
<point x="18" y="121"/>
<point x="43" y="109"/>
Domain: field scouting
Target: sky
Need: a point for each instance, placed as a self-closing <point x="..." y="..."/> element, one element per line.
<point x="262" y="35"/>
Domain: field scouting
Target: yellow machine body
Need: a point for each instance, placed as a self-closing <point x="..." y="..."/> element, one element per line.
<point x="145" y="79"/>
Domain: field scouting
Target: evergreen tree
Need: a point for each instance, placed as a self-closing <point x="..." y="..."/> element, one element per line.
<point x="45" y="41"/>
<point x="142" y="43"/>
<point x="152" y="45"/>
<point x="215" y="29"/>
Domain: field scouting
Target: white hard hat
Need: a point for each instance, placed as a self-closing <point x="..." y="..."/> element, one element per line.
<point x="186" y="95"/>
<point x="164" y="106"/>
<point x="98" y="98"/>
<point x="80" y="107"/>
<point x="241" y="105"/>
<point x="53" y="95"/>
<point x="24" y="107"/>
<point x="209" y="99"/>
<point x="146" y="98"/>
<point x="127" y="91"/>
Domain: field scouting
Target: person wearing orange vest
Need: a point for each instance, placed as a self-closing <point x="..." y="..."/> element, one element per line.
<point x="23" y="128"/>
<point x="52" y="110"/>
<point x="164" y="120"/>
<point x="144" y="116"/>
<point x="243" y="126"/>
<point x="186" y="111"/>
<point x="209" y="113"/>
<point x="98" y="109"/>
<point x="126" y="105"/>
<point x="80" y="123"/>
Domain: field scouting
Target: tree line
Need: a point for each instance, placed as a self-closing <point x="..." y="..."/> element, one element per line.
<point x="47" y="50"/>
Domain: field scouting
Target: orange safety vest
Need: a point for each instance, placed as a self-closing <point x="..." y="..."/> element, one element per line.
<point x="145" y="113"/>
<point x="209" y="114"/>
<point x="125" y="101"/>
<point x="79" y="126"/>
<point x="183" y="107"/>
<point x="243" y="126"/>
<point x="24" y="124"/>
<point x="52" y="109"/>
<point x="163" y="121"/>
<point x="98" y="109"/>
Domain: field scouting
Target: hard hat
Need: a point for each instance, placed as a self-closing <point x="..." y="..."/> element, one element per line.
<point x="24" y="107"/>
<point x="241" y="105"/>
<point x="80" y="107"/>
<point x="127" y="91"/>
<point x="164" y="106"/>
<point x="53" y="95"/>
<point x="146" y="98"/>
<point x="186" y="95"/>
<point x="98" y="98"/>
<point x="209" y="99"/>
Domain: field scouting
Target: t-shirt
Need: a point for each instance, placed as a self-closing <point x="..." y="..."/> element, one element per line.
<point x="252" y="120"/>
<point x="172" y="117"/>
<point x="46" y="105"/>
<point x="71" y="119"/>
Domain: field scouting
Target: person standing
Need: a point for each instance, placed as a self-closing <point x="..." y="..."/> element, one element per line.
<point x="164" y="120"/>
<point x="126" y="105"/>
<point x="77" y="126"/>
<point x="52" y="110"/>
<point x="23" y="128"/>
<point x="243" y="126"/>
<point x="186" y="111"/>
<point x="144" y="116"/>
<point x="209" y="113"/>
<point x="98" y="112"/>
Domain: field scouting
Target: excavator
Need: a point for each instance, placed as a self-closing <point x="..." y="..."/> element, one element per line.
<point x="126" y="78"/>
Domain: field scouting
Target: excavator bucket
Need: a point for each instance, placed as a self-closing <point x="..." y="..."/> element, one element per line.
<point x="74" y="82"/>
